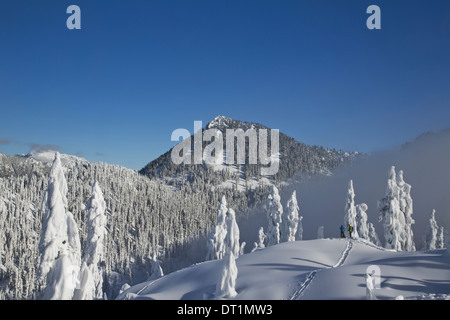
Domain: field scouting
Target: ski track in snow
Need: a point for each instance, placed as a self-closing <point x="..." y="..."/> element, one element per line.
<point x="345" y="254"/>
<point x="298" y="293"/>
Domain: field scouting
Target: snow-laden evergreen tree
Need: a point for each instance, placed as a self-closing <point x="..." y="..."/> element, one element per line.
<point x="215" y="242"/>
<point x="261" y="240"/>
<point x="320" y="232"/>
<point x="350" y="211"/>
<point x="391" y="216"/>
<point x="242" y="248"/>
<point x="300" y="228"/>
<point x="59" y="247"/>
<point x="85" y="288"/>
<point x="406" y="207"/>
<point x="373" y="236"/>
<point x="274" y="216"/>
<point x="91" y="275"/>
<point x="440" y="241"/>
<point x="226" y="286"/>
<point x="232" y="234"/>
<point x="361" y="221"/>
<point x="157" y="271"/>
<point x="290" y="220"/>
<point x="430" y="238"/>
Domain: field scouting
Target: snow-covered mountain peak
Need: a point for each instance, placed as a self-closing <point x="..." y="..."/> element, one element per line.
<point x="222" y="123"/>
<point x="219" y="121"/>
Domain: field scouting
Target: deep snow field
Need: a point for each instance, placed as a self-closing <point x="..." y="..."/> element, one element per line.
<point x="331" y="269"/>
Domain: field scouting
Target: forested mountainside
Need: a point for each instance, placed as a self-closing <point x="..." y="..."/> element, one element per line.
<point x="296" y="158"/>
<point x="144" y="216"/>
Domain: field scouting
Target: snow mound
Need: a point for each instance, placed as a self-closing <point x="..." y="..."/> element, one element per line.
<point x="313" y="269"/>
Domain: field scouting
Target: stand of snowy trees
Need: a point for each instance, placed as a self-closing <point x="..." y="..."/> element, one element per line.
<point x="143" y="217"/>
<point x="396" y="213"/>
<point x="434" y="238"/>
<point x="283" y="224"/>
<point x="286" y="225"/>
<point x="355" y="215"/>
<point x="396" y="210"/>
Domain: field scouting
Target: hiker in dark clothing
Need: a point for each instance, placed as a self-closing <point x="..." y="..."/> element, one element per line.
<point x="342" y="231"/>
<point x="350" y="230"/>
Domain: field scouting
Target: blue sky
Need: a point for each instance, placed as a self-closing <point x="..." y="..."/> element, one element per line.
<point x="137" y="70"/>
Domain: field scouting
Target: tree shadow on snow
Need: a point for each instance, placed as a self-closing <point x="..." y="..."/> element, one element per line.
<point x="421" y="286"/>
<point x="433" y="262"/>
<point x="315" y="262"/>
<point x="284" y="267"/>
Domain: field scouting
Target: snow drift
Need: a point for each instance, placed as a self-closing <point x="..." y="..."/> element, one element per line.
<point x="311" y="269"/>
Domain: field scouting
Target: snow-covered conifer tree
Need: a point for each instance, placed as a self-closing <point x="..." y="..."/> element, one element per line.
<point x="242" y="248"/>
<point x="261" y="240"/>
<point x="232" y="236"/>
<point x="59" y="247"/>
<point x="361" y="221"/>
<point x="226" y="286"/>
<point x="85" y="290"/>
<point x="320" y="232"/>
<point x="290" y="220"/>
<point x="215" y="242"/>
<point x="350" y="210"/>
<point x="392" y="217"/>
<point x="91" y="275"/>
<point x="406" y="207"/>
<point x="157" y="271"/>
<point x="373" y="236"/>
<point x="274" y="214"/>
<point x="430" y="238"/>
<point x="440" y="241"/>
<point x="300" y="228"/>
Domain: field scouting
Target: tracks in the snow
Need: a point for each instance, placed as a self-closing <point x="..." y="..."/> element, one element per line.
<point x="299" y="292"/>
<point x="344" y="254"/>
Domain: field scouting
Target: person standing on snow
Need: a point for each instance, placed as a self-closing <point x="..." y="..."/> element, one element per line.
<point x="350" y="230"/>
<point x="342" y="231"/>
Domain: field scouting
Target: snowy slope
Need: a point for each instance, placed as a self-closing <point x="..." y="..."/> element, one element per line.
<point x="312" y="269"/>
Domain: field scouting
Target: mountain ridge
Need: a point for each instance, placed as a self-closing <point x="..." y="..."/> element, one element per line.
<point x="296" y="158"/>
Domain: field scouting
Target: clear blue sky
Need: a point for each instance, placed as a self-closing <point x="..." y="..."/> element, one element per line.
<point x="137" y="70"/>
